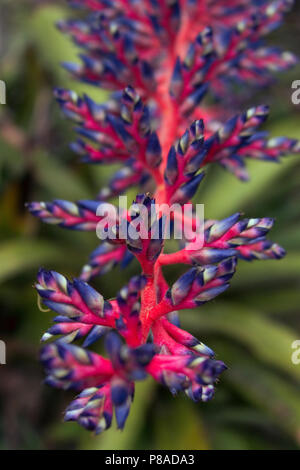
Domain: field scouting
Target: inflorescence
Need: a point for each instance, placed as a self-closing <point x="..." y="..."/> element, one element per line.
<point x="159" y="59"/>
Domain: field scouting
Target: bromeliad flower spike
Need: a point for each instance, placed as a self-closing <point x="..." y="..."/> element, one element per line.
<point x="160" y="59"/>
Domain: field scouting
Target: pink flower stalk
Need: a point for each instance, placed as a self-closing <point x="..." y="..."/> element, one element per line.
<point x="160" y="58"/>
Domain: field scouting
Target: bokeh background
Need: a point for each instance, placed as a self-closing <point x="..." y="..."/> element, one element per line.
<point x="252" y="326"/>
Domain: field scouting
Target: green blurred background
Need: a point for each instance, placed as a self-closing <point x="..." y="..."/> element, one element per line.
<point x="251" y="327"/>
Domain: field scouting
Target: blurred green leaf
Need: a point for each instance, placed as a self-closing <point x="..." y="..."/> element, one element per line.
<point x="268" y="271"/>
<point x="227" y="438"/>
<point x="289" y="237"/>
<point x="268" y="340"/>
<point x="55" y="47"/>
<point x="179" y="427"/>
<point x="22" y="254"/>
<point x="273" y="301"/>
<point x="58" y="179"/>
<point x="266" y="389"/>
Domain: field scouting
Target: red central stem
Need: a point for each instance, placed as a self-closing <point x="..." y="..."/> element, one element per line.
<point x="167" y="133"/>
<point x="148" y="303"/>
